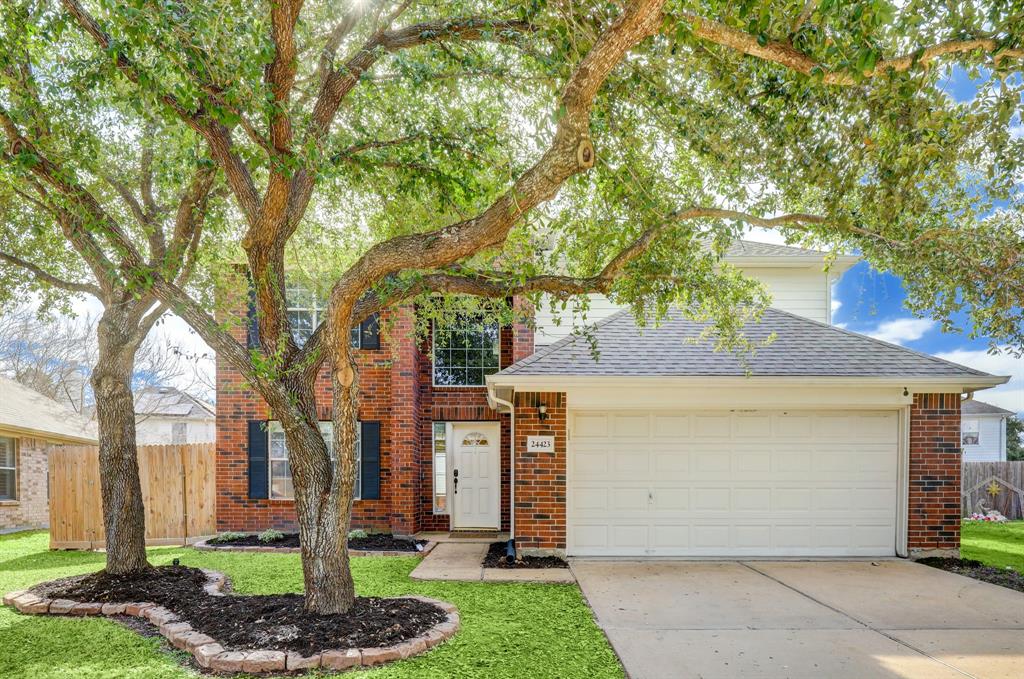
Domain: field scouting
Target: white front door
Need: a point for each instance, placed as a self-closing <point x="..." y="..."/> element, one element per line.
<point x="476" y="475"/>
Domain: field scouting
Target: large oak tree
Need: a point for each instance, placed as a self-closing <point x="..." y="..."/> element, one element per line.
<point x="553" y="149"/>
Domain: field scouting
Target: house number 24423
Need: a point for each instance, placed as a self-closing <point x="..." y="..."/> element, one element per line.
<point x="540" y="444"/>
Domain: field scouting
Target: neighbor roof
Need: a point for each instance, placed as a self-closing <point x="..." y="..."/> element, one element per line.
<point x="171" y="402"/>
<point x="972" y="407"/>
<point x="26" y="412"/>
<point x="802" y="348"/>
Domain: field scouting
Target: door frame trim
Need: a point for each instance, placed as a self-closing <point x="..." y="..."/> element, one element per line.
<point x="495" y="427"/>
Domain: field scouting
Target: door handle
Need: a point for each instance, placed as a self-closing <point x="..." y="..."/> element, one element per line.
<point x="455" y="485"/>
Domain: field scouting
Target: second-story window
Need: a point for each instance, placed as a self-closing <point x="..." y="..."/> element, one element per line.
<point x="307" y="310"/>
<point x="466" y="352"/>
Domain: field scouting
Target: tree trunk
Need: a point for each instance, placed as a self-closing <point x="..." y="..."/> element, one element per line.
<point x="323" y="496"/>
<point x="123" y="512"/>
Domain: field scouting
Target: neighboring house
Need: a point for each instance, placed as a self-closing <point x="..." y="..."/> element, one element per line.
<point x="166" y="415"/>
<point x="30" y="425"/>
<point x="835" y="444"/>
<point x="983" y="431"/>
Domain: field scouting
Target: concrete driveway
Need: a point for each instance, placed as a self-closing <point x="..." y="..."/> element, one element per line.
<point x="835" y="619"/>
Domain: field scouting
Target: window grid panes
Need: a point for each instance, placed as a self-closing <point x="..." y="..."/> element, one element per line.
<point x="466" y="353"/>
<point x="281" y="486"/>
<point x="970" y="432"/>
<point x="440" y="468"/>
<point x="306" y="311"/>
<point x="8" y="469"/>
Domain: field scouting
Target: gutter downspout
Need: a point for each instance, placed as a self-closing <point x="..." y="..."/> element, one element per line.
<point x="510" y="549"/>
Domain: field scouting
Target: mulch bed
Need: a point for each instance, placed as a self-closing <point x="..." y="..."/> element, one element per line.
<point x="371" y="543"/>
<point x="495" y="558"/>
<point x="273" y="622"/>
<point x="977" y="570"/>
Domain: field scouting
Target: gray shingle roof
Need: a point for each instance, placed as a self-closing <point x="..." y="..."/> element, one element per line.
<point x="171" y="402"/>
<point x="802" y="348"/>
<point x="28" y="412"/>
<point x="750" y="248"/>
<point x="973" y="407"/>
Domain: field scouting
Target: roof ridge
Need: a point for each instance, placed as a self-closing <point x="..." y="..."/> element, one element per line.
<point x="890" y="345"/>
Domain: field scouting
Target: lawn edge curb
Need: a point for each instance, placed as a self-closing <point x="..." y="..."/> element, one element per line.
<point x="209" y="654"/>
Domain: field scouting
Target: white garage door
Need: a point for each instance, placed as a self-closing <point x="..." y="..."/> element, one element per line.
<point x="752" y="483"/>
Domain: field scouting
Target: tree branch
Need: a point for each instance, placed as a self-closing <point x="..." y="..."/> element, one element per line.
<point x="216" y="135"/>
<point x="569" y="153"/>
<point x="49" y="278"/>
<point x="785" y="54"/>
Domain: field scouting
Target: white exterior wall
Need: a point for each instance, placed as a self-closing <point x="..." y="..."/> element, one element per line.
<point x="992" y="440"/>
<point x="805" y="291"/>
<point x="153" y="430"/>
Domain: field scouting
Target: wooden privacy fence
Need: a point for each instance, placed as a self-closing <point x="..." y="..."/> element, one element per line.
<point x="999" y="484"/>
<point x="178" y="489"/>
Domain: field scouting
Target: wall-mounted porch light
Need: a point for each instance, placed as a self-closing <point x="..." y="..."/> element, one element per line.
<point x="542" y="412"/>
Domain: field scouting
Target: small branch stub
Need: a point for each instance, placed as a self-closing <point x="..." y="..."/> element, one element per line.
<point x="585" y="155"/>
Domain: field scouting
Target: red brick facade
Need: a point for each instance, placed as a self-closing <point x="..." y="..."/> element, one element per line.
<point x="396" y="389"/>
<point x="540" y="477"/>
<point x="934" y="498"/>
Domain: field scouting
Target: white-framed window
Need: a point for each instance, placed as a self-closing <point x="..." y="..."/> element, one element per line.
<point x="8" y="468"/>
<point x="306" y="311"/>
<point x="280" y="476"/>
<point x="440" y="468"/>
<point x="970" y="432"/>
<point x="179" y="432"/>
<point x="465" y="353"/>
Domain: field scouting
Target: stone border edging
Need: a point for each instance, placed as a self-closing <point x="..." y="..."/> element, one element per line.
<point x="205" y="546"/>
<point x="211" y="655"/>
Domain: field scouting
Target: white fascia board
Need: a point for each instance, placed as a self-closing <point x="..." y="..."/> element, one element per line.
<point x="838" y="265"/>
<point x="937" y="384"/>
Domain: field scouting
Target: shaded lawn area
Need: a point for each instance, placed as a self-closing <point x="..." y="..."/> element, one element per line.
<point x="994" y="544"/>
<point x="508" y="630"/>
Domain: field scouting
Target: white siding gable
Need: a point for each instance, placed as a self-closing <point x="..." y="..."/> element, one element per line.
<point x="992" y="440"/>
<point x="805" y="291"/>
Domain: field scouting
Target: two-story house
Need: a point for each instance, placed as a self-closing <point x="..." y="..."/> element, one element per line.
<point x="825" y="443"/>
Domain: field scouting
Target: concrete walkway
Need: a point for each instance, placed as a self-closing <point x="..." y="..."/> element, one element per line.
<point x="462" y="561"/>
<point x="851" y="619"/>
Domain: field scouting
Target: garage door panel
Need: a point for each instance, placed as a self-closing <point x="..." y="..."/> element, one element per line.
<point x="630" y="499"/>
<point x="670" y="461"/>
<point x="670" y="499"/>
<point x="702" y="484"/>
<point x="745" y="426"/>
<point x="631" y="426"/>
<point x="671" y="426"/>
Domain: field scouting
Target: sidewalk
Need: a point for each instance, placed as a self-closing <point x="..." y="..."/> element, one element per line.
<point x="462" y="561"/>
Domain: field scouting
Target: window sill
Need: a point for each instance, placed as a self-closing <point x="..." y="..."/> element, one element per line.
<point x="9" y="503"/>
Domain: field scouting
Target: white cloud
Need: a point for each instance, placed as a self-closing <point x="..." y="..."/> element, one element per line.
<point x="901" y="330"/>
<point x="1009" y="395"/>
<point x="836" y="304"/>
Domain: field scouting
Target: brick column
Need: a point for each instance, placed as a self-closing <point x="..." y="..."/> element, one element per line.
<point x="405" y="424"/>
<point x="934" y="497"/>
<point x="540" y="477"/>
<point x="522" y="331"/>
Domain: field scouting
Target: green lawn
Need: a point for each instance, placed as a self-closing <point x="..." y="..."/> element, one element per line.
<point x="994" y="544"/>
<point x="508" y="630"/>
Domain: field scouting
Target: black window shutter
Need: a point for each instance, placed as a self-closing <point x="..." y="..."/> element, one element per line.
<point x="369" y="467"/>
<point x="252" y="325"/>
<point x="258" y="463"/>
<point x="369" y="333"/>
